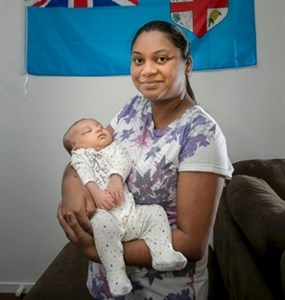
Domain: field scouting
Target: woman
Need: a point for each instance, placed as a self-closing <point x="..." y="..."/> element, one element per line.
<point x="180" y="162"/>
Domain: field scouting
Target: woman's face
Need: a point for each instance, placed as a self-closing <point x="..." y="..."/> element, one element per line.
<point x="158" y="70"/>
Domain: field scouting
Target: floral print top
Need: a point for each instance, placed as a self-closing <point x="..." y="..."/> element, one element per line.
<point x="193" y="142"/>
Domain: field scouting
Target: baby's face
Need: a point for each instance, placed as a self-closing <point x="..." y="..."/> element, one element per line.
<point x="90" y="134"/>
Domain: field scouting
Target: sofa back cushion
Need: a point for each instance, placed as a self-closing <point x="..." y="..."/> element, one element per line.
<point x="271" y="170"/>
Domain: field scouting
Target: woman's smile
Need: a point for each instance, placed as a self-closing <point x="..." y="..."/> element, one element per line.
<point x="151" y="84"/>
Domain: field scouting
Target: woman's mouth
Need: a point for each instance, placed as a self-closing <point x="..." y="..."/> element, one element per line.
<point x="150" y="84"/>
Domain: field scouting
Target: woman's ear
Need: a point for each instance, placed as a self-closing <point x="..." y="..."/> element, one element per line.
<point x="188" y="66"/>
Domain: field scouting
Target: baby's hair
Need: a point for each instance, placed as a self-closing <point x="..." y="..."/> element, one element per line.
<point x="66" y="141"/>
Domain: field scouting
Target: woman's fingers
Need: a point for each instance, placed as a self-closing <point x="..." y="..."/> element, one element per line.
<point x="72" y="228"/>
<point x="65" y="225"/>
<point x="90" y="208"/>
<point x="78" y="232"/>
<point x="83" y="220"/>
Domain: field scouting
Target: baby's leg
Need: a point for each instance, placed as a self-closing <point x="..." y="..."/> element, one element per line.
<point x="108" y="236"/>
<point x="157" y="235"/>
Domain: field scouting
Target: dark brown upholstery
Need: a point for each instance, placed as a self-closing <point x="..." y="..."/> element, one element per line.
<point x="64" y="279"/>
<point x="282" y="267"/>
<point x="249" y="233"/>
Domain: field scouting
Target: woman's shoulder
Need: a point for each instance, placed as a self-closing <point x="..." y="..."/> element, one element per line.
<point x="198" y="111"/>
<point x="196" y="116"/>
<point x="197" y="123"/>
<point x="135" y="107"/>
<point x="136" y="103"/>
<point x="127" y="113"/>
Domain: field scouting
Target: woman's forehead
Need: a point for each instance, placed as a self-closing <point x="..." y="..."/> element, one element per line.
<point x="153" y="41"/>
<point x="152" y="35"/>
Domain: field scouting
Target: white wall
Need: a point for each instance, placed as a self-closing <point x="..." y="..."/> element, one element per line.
<point x="248" y="103"/>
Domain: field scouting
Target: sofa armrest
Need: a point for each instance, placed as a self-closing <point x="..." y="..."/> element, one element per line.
<point x="241" y="276"/>
<point x="64" y="279"/>
<point x="259" y="212"/>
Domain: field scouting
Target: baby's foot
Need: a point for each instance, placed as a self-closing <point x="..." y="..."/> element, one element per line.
<point x="169" y="260"/>
<point x="119" y="283"/>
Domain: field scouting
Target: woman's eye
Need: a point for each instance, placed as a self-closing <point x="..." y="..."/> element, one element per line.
<point x="162" y="59"/>
<point x="137" y="60"/>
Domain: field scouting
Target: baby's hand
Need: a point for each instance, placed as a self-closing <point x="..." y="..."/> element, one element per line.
<point x="115" y="189"/>
<point x="104" y="200"/>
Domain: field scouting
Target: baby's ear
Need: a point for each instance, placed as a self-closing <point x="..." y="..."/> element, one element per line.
<point x="72" y="148"/>
<point x="74" y="145"/>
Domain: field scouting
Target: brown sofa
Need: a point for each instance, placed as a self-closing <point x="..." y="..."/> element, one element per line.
<point x="249" y="232"/>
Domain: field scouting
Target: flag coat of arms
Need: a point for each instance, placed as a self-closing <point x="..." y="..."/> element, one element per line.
<point x="93" y="37"/>
<point x="199" y="16"/>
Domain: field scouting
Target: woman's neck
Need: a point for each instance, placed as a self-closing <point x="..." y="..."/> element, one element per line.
<point x="165" y="112"/>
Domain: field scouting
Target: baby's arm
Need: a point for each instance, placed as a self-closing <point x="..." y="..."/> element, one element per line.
<point x="120" y="170"/>
<point x="80" y="163"/>
<point x="115" y="188"/>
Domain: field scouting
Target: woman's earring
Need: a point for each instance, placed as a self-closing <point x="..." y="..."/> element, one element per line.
<point x="187" y="71"/>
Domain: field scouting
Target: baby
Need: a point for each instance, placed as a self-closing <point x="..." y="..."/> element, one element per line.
<point x="103" y="166"/>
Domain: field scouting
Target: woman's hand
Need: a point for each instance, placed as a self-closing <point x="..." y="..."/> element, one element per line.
<point x="76" y="199"/>
<point x="77" y="235"/>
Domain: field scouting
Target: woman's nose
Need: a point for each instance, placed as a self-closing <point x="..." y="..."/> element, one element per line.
<point x="149" y="68"/>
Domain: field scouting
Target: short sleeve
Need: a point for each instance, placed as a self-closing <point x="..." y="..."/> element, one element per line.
<point x="204" y="148"/>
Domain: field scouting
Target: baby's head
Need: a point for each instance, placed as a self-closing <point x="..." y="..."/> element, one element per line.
<point x="86" y="133"/>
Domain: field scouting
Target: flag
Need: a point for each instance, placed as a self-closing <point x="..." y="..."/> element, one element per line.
<point x="93" y="37"/>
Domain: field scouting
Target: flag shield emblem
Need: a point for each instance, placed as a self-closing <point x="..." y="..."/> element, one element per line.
<point x="198" y="16"/>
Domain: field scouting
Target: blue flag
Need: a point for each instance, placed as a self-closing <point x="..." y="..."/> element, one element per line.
<point x="93" y="37"/>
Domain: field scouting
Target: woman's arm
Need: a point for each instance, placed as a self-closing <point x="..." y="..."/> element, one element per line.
<point x="76" y="198"/>
<point x="198" y="196"/>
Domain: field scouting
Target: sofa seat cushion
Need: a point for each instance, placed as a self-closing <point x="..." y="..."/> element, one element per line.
<point x="259" y="212"/>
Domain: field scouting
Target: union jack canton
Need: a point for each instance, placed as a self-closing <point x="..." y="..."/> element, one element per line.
<point x="84" y="3"/>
